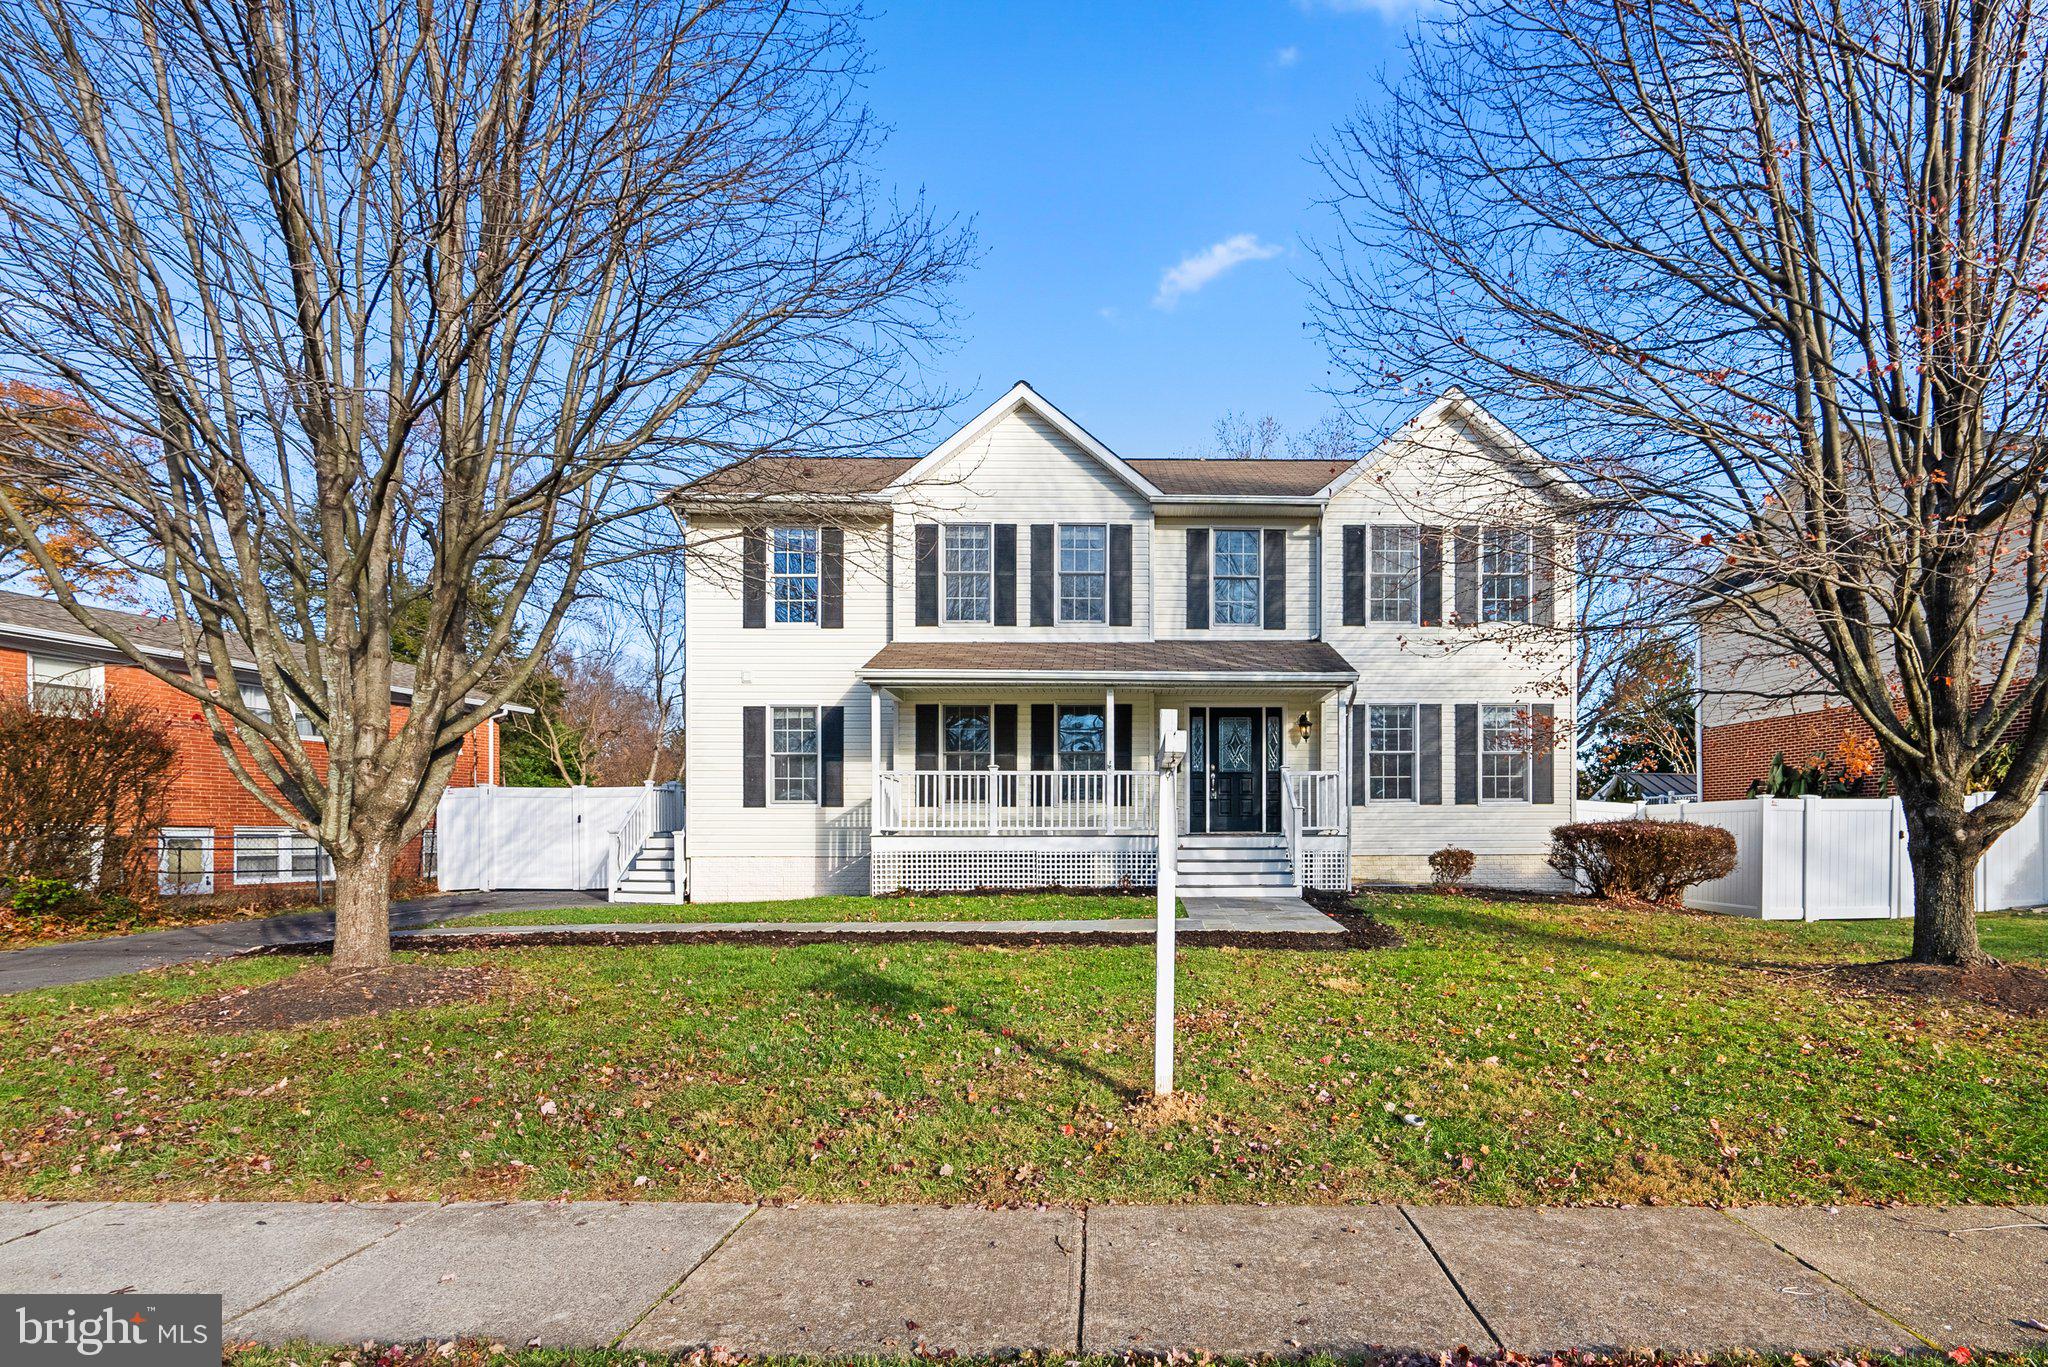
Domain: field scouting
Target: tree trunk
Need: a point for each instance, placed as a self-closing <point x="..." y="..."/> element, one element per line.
<point x="1944" y="886"/>
<point x="362" y="907"/>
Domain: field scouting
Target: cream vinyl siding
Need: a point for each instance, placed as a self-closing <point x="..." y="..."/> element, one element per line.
<point x="1450" y="476"/>
<point x="783" y="849"/>
<point x="1170" y="581"/>
<point x="1021" y="471"/>
<point x="1144" y="736"/>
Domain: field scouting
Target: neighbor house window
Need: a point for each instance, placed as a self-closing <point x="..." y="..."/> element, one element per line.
<point x="795" y="574"/>
<point x="185" y="860"/>
<point x="793" y="755"/>
<point x="1390" y="753"/>
<point x="1503" y="575"/>
<point x="1503" y="755"/>
<point x="1394" y="575"/>
<point x="969" y="738"/>
<point x="257" y="701"/>
<point x="1081" y="738"/>
<point x="277" y="856"/>
<point x="56" y="684"/>
<point x="970" y="571"/>
<point x="1084" y="574"/>
<point x="1234" y="578"/>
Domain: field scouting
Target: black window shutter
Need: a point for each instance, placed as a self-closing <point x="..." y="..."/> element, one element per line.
<point x="1274" y="563"/>
<point x="1432" y="569"/>
<point x="927" y="741"/>
<point x="1006" y="735"/>
<point x="832" y="757"/>
<point x="927" y="556"/>
<point x="1120" y="574"/>
<point x="1354" y="577"/>
<point x="1465" y="731"/>
<point x="1041" y="735"/>
<point x="1429" y="754"/>
<point x="1359" y="755"/>
<point x="1042" y="571"/>
<point x="1198" y="578"/>
<point x="832" y="577"/>
<point x="1543" y="757"/>
<point x="753" y="578"/>
<point x="1005" y="614"/>
<point x="753" y="756"/>
<point x="1465" y="573"/>
<point x="1123" y="735"/>
<point x="1542" y="577"/>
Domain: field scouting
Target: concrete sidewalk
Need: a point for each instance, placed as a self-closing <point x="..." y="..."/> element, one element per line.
<point x="1225" y="1279"/>
<point x="80" y="961"/>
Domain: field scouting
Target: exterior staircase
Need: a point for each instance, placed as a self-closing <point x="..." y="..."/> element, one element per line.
<point x="1234" y="866"/>
<point x="653" y="875"/>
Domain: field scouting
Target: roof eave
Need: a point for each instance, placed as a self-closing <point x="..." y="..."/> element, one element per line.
<point x="1266" y="677"/>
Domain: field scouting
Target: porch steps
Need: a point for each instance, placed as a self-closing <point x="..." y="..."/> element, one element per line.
<point x="1237" y="866"/>
<point x="651" y="877"/>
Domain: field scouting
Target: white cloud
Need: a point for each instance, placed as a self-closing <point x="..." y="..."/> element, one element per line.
<point x="1197" y="270"/>
<point x="1287" y="56"/>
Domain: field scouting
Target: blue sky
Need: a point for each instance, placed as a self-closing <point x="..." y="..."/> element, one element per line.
<point x="1140" y="182"/>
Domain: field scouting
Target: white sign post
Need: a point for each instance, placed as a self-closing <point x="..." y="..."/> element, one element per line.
<point x="1173" y="751"/>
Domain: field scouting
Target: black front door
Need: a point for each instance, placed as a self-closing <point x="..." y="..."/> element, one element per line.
<point x="1236" y="769"/>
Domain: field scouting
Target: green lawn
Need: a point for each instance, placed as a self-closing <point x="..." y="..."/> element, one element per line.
<point x="1507" y="1053"/>
<point x="965" y="907"/>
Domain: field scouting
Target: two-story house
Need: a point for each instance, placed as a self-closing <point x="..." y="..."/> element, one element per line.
<point x="949" y="672"/>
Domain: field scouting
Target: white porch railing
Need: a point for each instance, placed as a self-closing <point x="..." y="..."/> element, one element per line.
<point x="627" y="839"/>
<point x="1319" y="797"/>
<point x="1012" y="802"/>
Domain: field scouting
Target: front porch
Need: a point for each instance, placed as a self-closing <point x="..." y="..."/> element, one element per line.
<point x="1020" y="778"/>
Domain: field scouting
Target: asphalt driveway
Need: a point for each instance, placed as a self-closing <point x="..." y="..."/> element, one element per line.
<point x="80" y="961"/>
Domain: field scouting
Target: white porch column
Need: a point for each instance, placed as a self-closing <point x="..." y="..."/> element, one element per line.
<point x="1109" y="759"/>
<point x="874" y="758"/>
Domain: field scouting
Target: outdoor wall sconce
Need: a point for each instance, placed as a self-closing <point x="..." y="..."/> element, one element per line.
<point x="1304" y="727"/>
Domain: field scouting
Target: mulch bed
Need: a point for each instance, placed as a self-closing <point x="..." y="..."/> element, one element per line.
<point x="319" y="996"/>
<point x="2013" y="988"/>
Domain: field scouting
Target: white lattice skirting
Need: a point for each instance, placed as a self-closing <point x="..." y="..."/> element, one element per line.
<point x="968" y="863"/>
<point x="1326" y="863"/>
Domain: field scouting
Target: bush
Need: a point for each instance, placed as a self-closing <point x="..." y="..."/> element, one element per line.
<point x="32" y="896"/>
<point x="1451" y="866"/>
<point x="1651" y="861"/>
<point x="82" y="796"/>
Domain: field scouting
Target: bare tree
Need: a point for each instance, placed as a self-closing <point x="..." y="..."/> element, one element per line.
<point x="641" y="600"/>
<point x="592" y="720"/>
<point x="1766" y="277"/>
<point x="432" y="292"/>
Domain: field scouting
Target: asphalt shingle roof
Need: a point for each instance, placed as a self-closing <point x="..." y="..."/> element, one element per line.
<point x="1113" y="657"/>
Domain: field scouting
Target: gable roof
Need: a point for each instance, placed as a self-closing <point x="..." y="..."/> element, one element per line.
<point x="1456" y="403"/>
<point x="828" y="476"/>
<point x="1022" y="395"/>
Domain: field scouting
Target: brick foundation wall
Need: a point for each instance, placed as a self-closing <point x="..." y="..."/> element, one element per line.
<point x="204" y="793"/>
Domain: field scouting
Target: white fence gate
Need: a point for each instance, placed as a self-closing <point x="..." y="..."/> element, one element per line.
<point x="1836" y="858"/>
<point x="491" y="838"/>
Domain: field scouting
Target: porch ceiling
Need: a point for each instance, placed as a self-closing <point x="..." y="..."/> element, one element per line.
<point x="1145" y="663"/>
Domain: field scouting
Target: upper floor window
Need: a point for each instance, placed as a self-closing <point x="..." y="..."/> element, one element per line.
<point x="969" y="738"/>
<point x="1504" y="575"/>
<point x="257" y="701"/>
<point x="1394" y="575"/>
<point x="969" y="566"/>
<point x="56" y="684"/>
<point x="795" y="574"/>
<point x="1084" y="573"/>
<point x="1503" y="755"/>
<point x="793" y="754"/>
<point x="1234" y="579"/>
<point x="1390" y="753"/>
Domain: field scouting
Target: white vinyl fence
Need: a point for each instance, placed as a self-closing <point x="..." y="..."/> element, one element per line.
<point x="1836" y="858"/>
<point x="491" y="838"/>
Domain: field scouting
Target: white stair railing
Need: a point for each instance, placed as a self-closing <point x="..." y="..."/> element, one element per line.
<point x="1320" y="796"/>
<point x="1290" y="822"/>
<point x="628" y="839"/>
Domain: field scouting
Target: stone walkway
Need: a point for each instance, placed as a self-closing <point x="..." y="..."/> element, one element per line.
<point x="1225" y="1279"/>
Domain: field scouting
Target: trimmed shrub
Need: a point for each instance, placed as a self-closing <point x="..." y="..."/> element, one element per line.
<point x="1451" y="866"/>
<point x="1650" y="861"/>
<point x="82" y="796"/>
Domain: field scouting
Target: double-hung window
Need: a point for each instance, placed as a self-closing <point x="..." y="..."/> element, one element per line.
<point x="1080" y="739"/>
<point x="257" y="701"/>
<point x="1234" y="578"/>
<point x="1390" y="753"/>
<point x="56" y="684"/>
<point x="969" y="738"/>
<point x="1394" y="575"/>
<point x="1503" y="754"/>
<point x="969" y="565"/>
<point x="278" y="855"/>
<point x="793" y="754"/>
<point x="1503" y="575"/>
<point x="1084" y="573"/>
<point x="794" y="574"/>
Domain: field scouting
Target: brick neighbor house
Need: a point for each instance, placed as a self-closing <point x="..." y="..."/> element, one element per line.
<point x="216" y="835"/>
